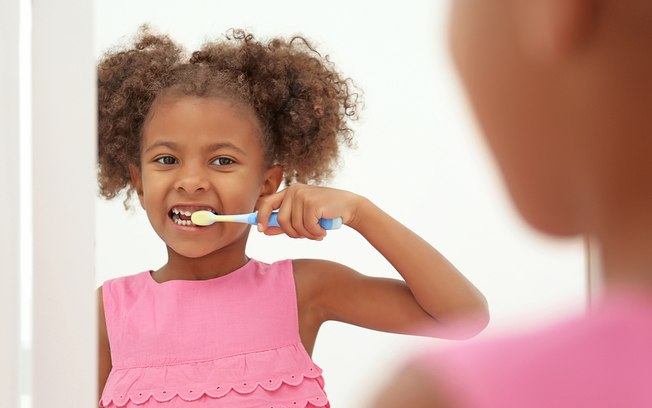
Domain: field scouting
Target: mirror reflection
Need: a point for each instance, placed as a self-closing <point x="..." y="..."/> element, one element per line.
<point x="226" y="130"/>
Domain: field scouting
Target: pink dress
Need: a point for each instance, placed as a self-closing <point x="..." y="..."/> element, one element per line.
<point x="228" y="342"/>
<point x="601" y="360"/>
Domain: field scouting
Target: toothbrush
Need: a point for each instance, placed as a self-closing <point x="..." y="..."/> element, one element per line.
<point x="204" y="218"/>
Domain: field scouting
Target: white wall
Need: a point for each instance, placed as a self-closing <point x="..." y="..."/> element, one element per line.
<point x="63" y="157"/>
<point x="419" y="157"/>
<point x="9" y="185"/>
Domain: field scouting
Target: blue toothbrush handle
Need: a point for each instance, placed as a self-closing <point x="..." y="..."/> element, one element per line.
<point x="325" y="223"/>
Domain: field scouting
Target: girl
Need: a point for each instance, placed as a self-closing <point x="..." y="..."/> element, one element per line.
<point x="574" y="164"/>
<point x="220" y="131"/>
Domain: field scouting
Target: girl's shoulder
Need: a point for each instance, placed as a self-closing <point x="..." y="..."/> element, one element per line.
<point x="317" y="280"/>
<point x="312" y="265"/>
<point x="313" y="272"/>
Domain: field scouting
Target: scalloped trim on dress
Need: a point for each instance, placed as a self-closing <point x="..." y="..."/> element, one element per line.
<point x="221" y="390"/>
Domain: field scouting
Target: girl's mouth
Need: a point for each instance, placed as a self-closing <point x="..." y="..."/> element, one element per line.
<point x="181" y="216"/>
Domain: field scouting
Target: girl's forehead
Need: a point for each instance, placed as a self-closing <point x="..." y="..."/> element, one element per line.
<point x="186" y="104"/>
<point x="191" y="120"/>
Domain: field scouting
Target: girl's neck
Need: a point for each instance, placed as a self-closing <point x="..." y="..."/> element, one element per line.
<point x="218" y="263"/>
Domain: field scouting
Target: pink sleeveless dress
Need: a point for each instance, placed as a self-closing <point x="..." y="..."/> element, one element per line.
<point x="228" y="342"/>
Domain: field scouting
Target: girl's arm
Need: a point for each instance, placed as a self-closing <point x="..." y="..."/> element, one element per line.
<point x="104" y="357"/>
<point x="434" y="298"/>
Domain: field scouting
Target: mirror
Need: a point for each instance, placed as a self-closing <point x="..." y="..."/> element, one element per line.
<point x="418" y="156"/>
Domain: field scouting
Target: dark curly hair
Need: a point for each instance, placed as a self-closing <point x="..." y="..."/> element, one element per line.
<point x="302" y="103"/>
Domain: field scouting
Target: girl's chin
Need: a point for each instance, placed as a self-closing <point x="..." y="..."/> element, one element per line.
<point x="204" y="246"/>
<point x="191" y="252"/>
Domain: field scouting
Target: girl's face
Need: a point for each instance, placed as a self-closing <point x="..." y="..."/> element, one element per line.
<point x="201" y="154"/>
<point x="520" y="107"/>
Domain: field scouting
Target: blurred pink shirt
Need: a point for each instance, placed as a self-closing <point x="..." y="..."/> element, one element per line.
<point x="601" y="359"/>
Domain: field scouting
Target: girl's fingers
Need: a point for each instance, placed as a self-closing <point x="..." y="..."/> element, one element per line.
<point x="312" y="223"/>
<point x="297" y="219"/>
<point x="265" y="206"/>
<point x="302" y="215"/>
<point x="285" y="218"/>
<point x="297" y="213"/>
<point x="273" y="231"/>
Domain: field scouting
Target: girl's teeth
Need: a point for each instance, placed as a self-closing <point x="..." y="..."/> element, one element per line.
<point x="187" y="213"/>
<point x="182" y="222"/>
<point x="177" y="213"/>
<point x="179" y="221"/>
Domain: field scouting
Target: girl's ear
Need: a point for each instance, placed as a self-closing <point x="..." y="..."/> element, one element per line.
<point x="137" y="183"/>
<point x="552" y="29"/>
<point x="272" y="180"/>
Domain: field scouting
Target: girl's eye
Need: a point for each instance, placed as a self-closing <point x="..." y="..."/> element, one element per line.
<point x="222" y="161"/>
<point x="166" y="160"/>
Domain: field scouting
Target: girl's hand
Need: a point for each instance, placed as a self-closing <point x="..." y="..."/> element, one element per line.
<point x="300" y="208"/>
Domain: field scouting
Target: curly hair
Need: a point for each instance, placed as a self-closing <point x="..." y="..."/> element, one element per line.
<point x="302" y="103"/>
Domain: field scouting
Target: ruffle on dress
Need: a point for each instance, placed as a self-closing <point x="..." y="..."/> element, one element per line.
<point x="277" y="378"/>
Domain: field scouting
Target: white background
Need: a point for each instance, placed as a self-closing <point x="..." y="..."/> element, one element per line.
<point x="418" y="156"/>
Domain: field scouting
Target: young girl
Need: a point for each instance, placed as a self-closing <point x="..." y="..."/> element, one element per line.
<point x="220" y="131"/>
<point x="564" y="103"/>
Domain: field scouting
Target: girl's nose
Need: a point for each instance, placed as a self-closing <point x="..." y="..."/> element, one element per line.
<point x="192" y="181"/>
